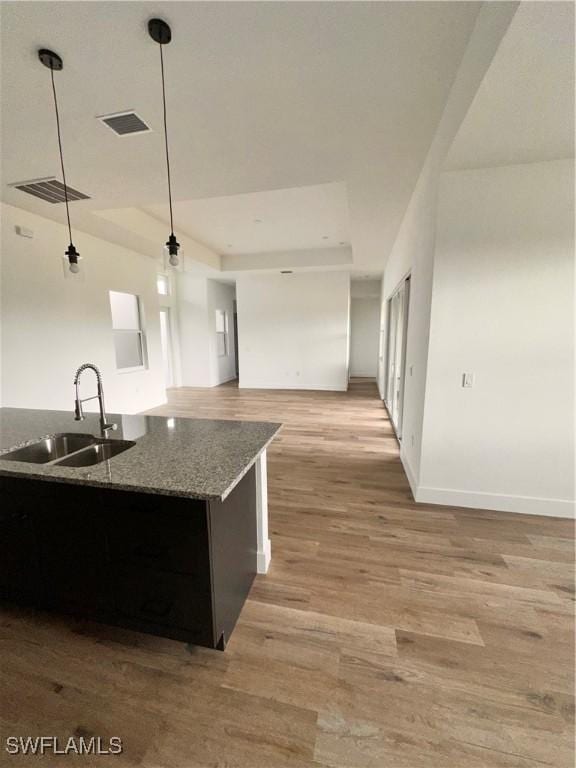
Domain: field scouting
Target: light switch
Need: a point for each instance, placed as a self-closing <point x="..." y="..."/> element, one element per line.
<point x="467" y="379"/>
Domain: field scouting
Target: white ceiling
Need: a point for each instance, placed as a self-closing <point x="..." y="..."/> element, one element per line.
<point x="261" y="97"/>
<point x="259" y="222"/>
<point x="524" y="109"/>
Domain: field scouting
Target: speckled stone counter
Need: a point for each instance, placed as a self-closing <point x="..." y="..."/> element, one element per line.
<point x="194" y="458"/>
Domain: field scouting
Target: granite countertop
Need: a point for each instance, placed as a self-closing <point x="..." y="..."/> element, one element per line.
<point x="195" y="458"/>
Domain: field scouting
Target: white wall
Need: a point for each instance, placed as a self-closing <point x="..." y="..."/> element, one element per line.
<point x="170" y="302"/>
<point x="194" y="330"/>
<point x="307" y="258"/>
<point x="413" y="254"/>
<point x="293" y="330"/>
<point x="51" y="325"/>
<point x="413" y="250"/>
<point x="197" y="299"/>
<point x="364" y="335"/>
<point x="221" y="296"/>
<point x="491" y="295"/>
<point x="502" y="308"/>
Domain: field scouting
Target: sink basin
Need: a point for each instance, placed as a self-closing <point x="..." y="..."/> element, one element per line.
<point x="69" y="450"/>
<point x="50" y="448"/>
<point x="101" y="450"/>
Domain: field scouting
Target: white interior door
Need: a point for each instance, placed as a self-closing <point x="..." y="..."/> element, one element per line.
<point x="402" y="379"/>
<point x="166" y="342"/>
<point x="396" y="382"/>
<point x="391" y="351"/>
<point x="396" y="353"/>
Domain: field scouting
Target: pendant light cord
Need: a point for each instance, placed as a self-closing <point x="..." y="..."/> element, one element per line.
<point x="166" y="141"/>
<point x="61" y="154"/>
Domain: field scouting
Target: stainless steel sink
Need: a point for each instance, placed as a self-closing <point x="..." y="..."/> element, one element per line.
<point x="101" y="450"/>
<point x="50" y="448"/>
<point x="69" y="450"/>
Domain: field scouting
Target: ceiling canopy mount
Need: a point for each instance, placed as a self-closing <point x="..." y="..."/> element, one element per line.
<point x="159" y="31"/>
<point x="50" y="59"/>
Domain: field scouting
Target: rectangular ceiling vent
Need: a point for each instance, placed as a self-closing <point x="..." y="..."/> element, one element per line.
<point x="125" y="123"/>
<point x="49" y="189"/>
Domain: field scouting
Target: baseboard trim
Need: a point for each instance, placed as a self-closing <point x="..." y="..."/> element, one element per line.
<point x="527" y="505"/>
<point x="409" y="473"/>
<point x="310" y="388"/>
<point x="264" y="557"/>
<point x="450" y="497"/>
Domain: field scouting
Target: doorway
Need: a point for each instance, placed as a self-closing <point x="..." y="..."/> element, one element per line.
<point x="166" y="343"/>
<point x="396" y="353"/>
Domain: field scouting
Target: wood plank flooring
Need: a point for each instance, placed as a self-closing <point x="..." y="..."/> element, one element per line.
<point x="386" y="634"/>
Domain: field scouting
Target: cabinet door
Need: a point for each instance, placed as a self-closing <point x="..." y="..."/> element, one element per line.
<point x="234" y="544"/>
<point x="160" y="555"/>
<point x="159" y="532"/>
<point x="19" y="575"/>
<point x="153" y="600"/>
<point x="71" y="534"/>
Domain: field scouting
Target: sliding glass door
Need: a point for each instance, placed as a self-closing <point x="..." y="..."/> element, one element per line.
<point x="396" y="353"/>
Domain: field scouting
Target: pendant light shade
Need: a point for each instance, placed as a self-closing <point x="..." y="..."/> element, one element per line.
<point x="54" y="63"/>
<point x="161" y="33"/>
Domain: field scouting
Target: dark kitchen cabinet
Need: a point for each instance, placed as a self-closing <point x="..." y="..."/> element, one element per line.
<point x="53" y="546"/>
<point x="72" y="547"/>
<point x="19" y="568"/>
<point x="160" y="561"/>
<point x="166" y="604"/>
<point x="169" y="566"/>
<point x="165" y="535"/>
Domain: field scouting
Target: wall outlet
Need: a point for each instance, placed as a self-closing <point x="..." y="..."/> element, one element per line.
<point x="467" y="379"/>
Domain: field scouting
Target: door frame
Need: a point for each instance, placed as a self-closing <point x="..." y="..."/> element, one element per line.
<point x="400" y="293"/>
<point x="170" y="347"/>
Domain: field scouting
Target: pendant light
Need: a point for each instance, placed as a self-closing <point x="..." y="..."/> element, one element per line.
<point x="54" y="63"/>
<point x="161" y="33"/>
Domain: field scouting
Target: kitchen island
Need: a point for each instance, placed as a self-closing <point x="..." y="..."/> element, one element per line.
<point x="164" y="537"/>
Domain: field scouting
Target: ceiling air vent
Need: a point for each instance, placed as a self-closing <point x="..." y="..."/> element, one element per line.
<point x="50" y="189"/>
<point x="125" y="123"/>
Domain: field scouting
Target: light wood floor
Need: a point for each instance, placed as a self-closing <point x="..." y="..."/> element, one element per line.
<point x="386" y="634"/>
